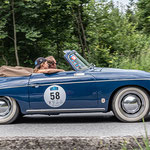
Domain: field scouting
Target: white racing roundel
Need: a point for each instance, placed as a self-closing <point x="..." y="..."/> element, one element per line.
<point x="55" y="96"/>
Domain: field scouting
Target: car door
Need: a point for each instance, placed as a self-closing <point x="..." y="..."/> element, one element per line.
<point x="62" y="90"/>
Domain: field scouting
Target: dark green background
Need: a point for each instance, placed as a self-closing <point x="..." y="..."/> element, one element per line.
<point x="106" y="35"/>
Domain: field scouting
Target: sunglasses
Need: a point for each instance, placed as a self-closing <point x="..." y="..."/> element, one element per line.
<point x="52" y="63"/>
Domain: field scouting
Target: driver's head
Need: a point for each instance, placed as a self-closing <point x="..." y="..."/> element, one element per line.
<point x="51" y="62"/>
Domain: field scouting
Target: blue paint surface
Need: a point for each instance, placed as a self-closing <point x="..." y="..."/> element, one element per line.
<point x="84" y="88"/>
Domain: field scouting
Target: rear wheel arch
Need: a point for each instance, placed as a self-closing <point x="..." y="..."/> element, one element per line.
<point x="15" y="101"/>
<point x="10" y="110"/>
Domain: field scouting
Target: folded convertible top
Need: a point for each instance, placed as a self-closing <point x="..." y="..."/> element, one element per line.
<point x="9" y="71"/>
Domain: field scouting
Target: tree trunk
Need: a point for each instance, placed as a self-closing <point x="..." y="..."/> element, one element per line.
<point x="57" y="34"/>
<point x="15" y="36"/>
<point x="6" y="62"/>
<point x="83" y="31"/>
<point x="79" y="34"/>
<point x="80" y="43"/>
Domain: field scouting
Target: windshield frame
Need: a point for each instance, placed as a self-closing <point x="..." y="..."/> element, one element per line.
<point x="85" y="64"/>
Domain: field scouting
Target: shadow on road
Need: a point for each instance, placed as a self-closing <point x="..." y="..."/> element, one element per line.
<point x="79" y="118"/>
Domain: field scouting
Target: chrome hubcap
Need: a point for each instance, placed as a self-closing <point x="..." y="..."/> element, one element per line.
<point x="131" y="103"/>
<point x="5" y="107"/>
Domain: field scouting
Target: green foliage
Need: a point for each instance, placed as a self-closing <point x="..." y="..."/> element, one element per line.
<point x="140" y="61"/>
<point x="3" y="34"/>
<point x="114" y="36"/>
<point x="144" y="15"/>
<point x="98" y="30"/>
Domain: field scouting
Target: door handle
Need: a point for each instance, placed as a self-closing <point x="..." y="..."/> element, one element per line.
<point x="35" y="85"/>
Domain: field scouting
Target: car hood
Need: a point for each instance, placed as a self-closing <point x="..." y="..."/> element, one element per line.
<point x="120" y="70"/>
<point x="114" y="73"/>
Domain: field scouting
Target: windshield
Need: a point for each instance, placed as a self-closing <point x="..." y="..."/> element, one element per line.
<point x="78" y="61"/>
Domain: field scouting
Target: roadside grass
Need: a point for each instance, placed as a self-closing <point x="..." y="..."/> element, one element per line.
<point x="145" y="141"/>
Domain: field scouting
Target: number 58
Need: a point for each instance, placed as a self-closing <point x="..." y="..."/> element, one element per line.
<point x="54" y="95"/>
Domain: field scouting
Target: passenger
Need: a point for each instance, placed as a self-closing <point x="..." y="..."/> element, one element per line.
<point x="42" y="66"/>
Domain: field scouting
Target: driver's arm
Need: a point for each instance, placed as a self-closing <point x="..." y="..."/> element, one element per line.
<point x="49" y="70"/>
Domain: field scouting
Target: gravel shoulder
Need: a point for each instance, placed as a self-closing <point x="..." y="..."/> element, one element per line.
<point x="70" y="143"/>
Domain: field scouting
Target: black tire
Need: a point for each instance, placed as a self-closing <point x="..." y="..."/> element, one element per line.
<point x="131" y="104"/>
<point x="9" y="110"/>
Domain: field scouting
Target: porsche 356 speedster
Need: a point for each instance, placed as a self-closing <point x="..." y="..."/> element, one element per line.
<point x="85" y="89"/>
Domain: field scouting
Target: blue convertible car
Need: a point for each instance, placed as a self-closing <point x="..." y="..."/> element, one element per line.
<point x="86" y="89"/>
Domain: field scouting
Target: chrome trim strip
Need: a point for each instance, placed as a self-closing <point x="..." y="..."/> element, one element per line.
<point x="96" y="81"/>
<point x="78" y="82"/>
<point x="65" y="110"/>
<point x="14" y="87"/>
<point x="79" y="74"/>
<point x="50" y="79"/>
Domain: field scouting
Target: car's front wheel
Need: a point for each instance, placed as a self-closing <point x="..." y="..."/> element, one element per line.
<point x="131" y="104"/>
<point x="9" y="110"/>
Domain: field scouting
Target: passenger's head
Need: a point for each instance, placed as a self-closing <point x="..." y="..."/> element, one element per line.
<point x="51" y="62"/>
<point x="41" y="63"/>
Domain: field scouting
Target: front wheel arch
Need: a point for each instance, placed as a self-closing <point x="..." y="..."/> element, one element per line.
<point x="115" y="91"/>
<point x="131" y="103"/>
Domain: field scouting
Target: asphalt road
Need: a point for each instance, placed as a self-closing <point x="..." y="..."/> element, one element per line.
<point x="96" y="124"/>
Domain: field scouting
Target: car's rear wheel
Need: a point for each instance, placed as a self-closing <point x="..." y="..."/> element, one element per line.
<point x="9" y="110"/>
<point x="131" y="104"/>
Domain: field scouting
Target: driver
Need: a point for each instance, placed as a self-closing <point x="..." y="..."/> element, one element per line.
<point x="51" y="62"/>
<point x="42" y="66"/>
